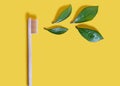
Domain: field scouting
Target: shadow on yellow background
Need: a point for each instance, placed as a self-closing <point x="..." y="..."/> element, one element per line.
<point x="87" y="26"/>
<point x="55" y="26"/>
<point x="33" y="16"/>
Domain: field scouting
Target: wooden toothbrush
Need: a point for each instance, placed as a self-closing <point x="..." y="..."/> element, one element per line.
<point x="32" y="29"/>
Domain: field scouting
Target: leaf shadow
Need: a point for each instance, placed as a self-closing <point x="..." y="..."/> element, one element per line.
<point x="78" y="12"/>
<point x="60" y="10"/>
<point x="28" y="15"/>
<point x="87" y="26"/>
<point x="55" y="26"/>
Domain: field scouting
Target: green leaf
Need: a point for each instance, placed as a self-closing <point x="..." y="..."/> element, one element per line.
<point x="90" y="35"/>
<point x="64" y="14"/>
<point x="57" y="30"/>
<point x="86" y="14"/>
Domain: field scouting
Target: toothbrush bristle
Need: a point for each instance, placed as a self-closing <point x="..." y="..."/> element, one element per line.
<point x="34" y="25"/>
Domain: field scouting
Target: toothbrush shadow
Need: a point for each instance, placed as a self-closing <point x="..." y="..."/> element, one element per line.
<point x="26" y="18"/>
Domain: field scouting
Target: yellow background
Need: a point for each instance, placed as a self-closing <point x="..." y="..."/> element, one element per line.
<point x="66" y="60"/>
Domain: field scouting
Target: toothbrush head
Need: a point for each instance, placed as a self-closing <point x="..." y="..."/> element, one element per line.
<point x="34" y="25"/>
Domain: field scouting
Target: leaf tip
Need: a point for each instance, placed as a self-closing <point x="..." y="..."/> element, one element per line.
<point x="53" y="22"/>
<point x="102" y="37"/>
<point x="58" y="21"/>
<point x="74" y="21"/>
<point x="44" y="28"/>
<point x="70" y="6"/>
<point x="76" y="27"/>
<point x="97" y="6"/>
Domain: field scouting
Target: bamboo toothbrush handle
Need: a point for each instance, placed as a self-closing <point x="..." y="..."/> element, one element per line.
<point x="29" y="54"/>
